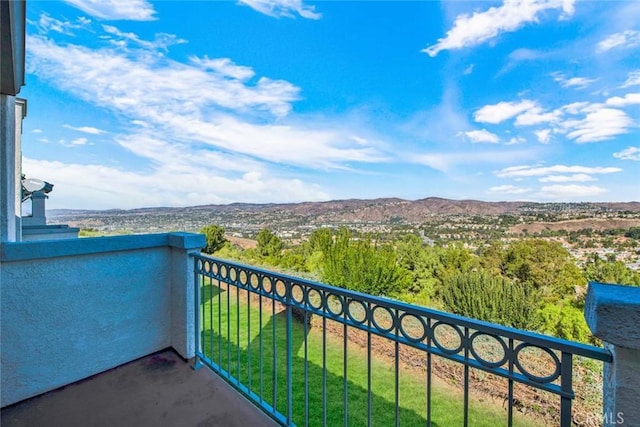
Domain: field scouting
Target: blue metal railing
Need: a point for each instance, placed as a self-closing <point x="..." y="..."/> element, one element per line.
<point x="229" y="294"/>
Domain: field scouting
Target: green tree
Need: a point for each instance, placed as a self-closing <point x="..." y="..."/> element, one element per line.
<point x="363" y="266"/>
<point x="610" y="271"/>
<point x="319" y="242"/>
<point x="633" y="233"/>
<point x="232" y="252"/>
<point x="455" y="258"/>
<point x="421" y="263"/>
<point x="215" y="238"/>
<point x="320" y="239"/>
<point x="479" y="295"/>
<point x="564" y="319"/>
<point x="544" y="265"/>
<point x="269" y="244"/>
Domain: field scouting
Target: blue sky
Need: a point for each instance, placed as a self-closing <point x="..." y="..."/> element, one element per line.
<point x="135" y="103"/>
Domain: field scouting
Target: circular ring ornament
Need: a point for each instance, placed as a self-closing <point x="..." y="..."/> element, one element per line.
<point x="405" y="332"/>
<point x="375" y="323"/>
<point x="340" y="300"/>
<point x="243" y="278"/>
<point x="314" y="295"/>
<point x="281" y="288"/>
<point x="549" y="378"/>
<point x="353" y="304"/>
<point x="297" y="293"/>
<point x="254" y="281"/>
<point x="479" y="358"/>
<point x="266" y="285"/>
<point x="441" y="346"/>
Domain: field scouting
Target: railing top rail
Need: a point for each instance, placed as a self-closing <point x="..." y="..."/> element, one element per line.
<point x="479" y="325"/>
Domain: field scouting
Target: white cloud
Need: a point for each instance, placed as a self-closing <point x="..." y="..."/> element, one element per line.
<point x="516" y="140"/>
<point x="573" y="82"/>
<point x="96" y="76"/>
<point x="570" y="192"/>
<point x="624" y="39"/>
<point x="446" y="161"/>
<point x="579" y="177"/>
<point x="536" y="116"/>
<point x="599" y="121"/>
<point x="633" y="79"/>
<point x="598" y="125"/>
<point x="628" y="99"/>
<point x="80" y="185"/>
<point x="509" y="189"/>
<point x="629" y="153"/>
<point x="162" y="41"/>
<point x="543" y="135"/>
<point x="482" y="135"/>
<point x="46" y="23"/>
<point x="575" y="107"/>
<point x="534" y="170"/>
<point x="283" y="8"/>
<point x="224" y="66"/>
<point x="86" y="129"/>
<point x="205" y="123"/>
<point x="79" y="141"/>
<point x="133" y="10"/>
<point x="502" y="111"/>
<point x="472" y="30"/>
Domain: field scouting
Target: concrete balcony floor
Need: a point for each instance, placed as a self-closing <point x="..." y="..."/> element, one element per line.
<point x="157" y="390"/>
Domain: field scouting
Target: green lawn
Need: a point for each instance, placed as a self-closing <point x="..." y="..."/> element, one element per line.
<point x="232" y="339"/>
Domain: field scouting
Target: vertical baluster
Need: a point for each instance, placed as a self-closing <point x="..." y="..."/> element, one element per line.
<point x="324" y="366"/>
<point x="249" y="332"/>
<point x="228" y="330"/>
<point x="306" y="361"/>
<point x="289" y="326"/>
<point x="237" y="289"/>
<point x="397" y="370"/>
<point x="260" y="333"/>
<point x="274" y="372"/>
<point x="210" y="317"/>
<point x="429" y="344"/>
<point x="510" y="396"/>
<point x="566" y="385"/>
<point x="199" y="324"/>
<point x="369" y="396"/>
<point x="345" y="387"/>
<point x="466" y="376"/>
<point x="219" y="333"/>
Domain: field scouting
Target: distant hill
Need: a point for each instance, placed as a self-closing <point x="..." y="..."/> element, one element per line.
<point x="374" y="210"/>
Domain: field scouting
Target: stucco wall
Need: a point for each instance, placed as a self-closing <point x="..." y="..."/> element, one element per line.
<point x="75" y="308"/>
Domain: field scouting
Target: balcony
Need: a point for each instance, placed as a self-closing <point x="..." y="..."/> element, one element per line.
<point x="100" y="332"/>
<point x="109" y="329"/>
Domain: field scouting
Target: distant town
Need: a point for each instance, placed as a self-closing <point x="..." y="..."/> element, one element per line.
<point x="610" y="230"/>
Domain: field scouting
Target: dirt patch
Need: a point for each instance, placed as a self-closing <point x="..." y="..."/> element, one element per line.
<point x="575" y="225"/>
<point x="241" y="242"/>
